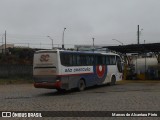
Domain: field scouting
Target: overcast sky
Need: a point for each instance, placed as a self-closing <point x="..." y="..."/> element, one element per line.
<point x="30" y="21"/>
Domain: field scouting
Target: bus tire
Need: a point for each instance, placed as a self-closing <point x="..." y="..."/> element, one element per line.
<point x="81" y="85"/>
<point x="113" y="80"/>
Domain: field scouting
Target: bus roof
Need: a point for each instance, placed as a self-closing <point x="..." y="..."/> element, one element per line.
<point x="81" y="52"/>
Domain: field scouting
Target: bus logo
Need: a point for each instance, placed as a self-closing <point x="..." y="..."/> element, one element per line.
<point x="100" y="70"/>
<point x="44" y="58"/>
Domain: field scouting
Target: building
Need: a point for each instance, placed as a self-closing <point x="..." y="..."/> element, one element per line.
<point x="2" y="47"/>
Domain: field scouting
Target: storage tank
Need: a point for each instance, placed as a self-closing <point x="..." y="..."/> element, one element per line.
<point x="141" y="64"/>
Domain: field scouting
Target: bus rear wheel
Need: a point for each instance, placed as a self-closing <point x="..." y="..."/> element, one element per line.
<point x="113" y="80"/>
<point x="81" y="85"/>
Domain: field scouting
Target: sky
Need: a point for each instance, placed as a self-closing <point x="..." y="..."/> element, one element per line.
<point x="31" y="21"/>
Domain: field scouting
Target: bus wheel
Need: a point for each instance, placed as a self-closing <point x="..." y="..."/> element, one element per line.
<point x="81" y="85"/>
<point x="113" y="80"/>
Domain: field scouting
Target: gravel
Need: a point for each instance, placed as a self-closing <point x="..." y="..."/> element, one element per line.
<point x="121" y="97"/>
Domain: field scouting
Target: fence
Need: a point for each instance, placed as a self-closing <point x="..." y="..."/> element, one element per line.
<point x="11" y="70"/>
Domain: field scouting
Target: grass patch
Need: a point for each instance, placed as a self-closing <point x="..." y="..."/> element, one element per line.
<point x="16" y="80"/>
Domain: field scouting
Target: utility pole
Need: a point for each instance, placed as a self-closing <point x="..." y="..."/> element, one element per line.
<point x="145" y="63"/>
<point x="138" y="35"/>
<point x="5" y="41"/>
<point x="51" y="39"/>
<point x="2" y="44"/>
<point x="63" y="38"/>
<point x="93" y="44"/>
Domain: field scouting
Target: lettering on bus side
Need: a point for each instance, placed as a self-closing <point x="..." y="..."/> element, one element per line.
<point x="82" y="69"/>
<point x="87" y="69"/>
<point x="68" y="70"/>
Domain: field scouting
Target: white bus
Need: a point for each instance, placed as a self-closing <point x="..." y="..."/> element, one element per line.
<point x="64" y="70"/>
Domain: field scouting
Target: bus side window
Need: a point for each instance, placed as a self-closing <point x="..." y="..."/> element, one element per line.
<point x="74" y="60"/>
<point x="84" y="61"/>
<point x="103" y="60"/>
<point x="66" y="59"/>
<point x="107" y="60"/>
<point x="100" y="60"/>
<point x="70" y="60"/>
<point x="112" y="60"/>
<point x="89" y="60"/>
<point x="78" y="60"/>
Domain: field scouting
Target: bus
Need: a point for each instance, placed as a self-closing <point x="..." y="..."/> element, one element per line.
<point x="64" y="69"/>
